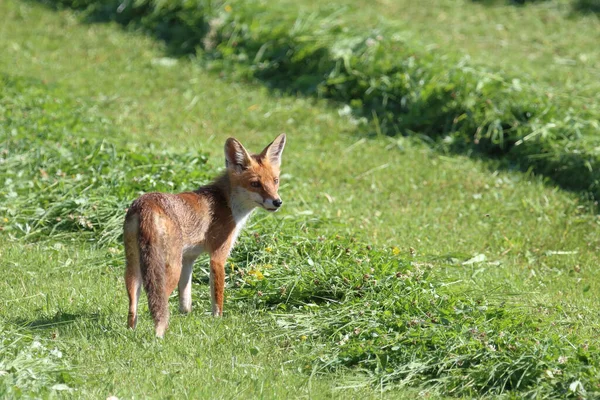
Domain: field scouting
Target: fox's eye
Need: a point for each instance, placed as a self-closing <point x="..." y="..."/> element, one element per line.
<point x="255" y="184"/>
<point x="276" y="180"/>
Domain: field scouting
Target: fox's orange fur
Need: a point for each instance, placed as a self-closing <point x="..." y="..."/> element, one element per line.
<point x="165" y="233"/>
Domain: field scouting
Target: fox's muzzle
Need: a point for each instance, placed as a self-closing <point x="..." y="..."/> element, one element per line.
<point x="272" y="204"/>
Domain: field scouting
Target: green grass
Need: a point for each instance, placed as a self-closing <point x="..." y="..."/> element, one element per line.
<point x="544" y="42"/>
<point x="385" y="81"/>
<point x="113" y="119"/>
<point x="203" y="357"/>
<point x="30" y="366"/>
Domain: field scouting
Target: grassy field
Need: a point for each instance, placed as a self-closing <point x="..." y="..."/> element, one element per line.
<point x="550" y="42"/>
<point x="389" y="82"/>
<point x="393" y="269"/>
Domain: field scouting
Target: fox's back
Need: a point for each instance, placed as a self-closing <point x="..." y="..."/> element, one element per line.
<point x="187" y="215"/>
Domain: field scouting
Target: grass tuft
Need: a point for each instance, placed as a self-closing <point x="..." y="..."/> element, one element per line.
<point x="369" y="308"/>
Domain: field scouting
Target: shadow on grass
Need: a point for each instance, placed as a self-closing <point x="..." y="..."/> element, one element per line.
<point x="577" y="6"/>
<point x="186" y="30"/>
<point x="47" y="322"/>
<point x="586" y="6"/>
<point x="509" y="2"/>
<point x="181" y="36"/>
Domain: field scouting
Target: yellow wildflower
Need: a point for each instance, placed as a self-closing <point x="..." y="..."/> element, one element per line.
<point x="256" y="273"/>
<point x="228" y="8"/>
<point x="395" y="251"/>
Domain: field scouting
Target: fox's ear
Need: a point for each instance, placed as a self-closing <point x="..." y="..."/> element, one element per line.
<point x="273" y="151"/>
<point x="236" y="156"/>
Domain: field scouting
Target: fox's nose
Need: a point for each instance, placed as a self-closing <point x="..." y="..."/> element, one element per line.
<point x="277" y="203"/>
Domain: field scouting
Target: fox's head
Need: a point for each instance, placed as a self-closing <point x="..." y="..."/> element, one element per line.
<point x="255" y="177"/>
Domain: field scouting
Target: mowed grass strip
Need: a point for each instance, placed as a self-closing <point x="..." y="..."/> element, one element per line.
<point x="550" y="44"/>
<point x="381" y="77"/>
<point x="421" y="192"/>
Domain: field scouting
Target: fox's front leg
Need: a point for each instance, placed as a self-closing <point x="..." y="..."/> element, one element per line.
<point x="217" y="283"/>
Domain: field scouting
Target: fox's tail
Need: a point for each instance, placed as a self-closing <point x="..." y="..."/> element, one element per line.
<point x="152" y="265"/>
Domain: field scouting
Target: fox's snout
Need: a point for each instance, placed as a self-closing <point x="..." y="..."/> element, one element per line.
<point x="272" y="204"/>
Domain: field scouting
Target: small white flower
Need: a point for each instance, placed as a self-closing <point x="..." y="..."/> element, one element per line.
<point x="562" y="360"/>
<point x="345" y="111"/>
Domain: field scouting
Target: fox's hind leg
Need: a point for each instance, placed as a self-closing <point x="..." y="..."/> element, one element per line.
<point x="185" y="286"/>
<point x="134" y="285"/>
<point x="133" y="273"/>
<point x="172" y="273"/>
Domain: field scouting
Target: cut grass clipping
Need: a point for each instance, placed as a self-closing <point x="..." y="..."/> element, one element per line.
<point x="29" y="366"/>
<point x="57" y="181"/>
<point x="397" y="86"/>
<point x="347" y="304"/>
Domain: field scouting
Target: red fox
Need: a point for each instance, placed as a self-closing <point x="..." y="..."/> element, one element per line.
<point x="165" y="233"/>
